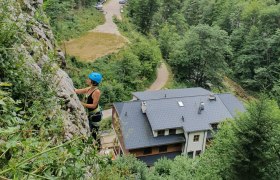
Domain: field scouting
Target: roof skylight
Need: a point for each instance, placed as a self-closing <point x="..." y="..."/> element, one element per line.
<point x="180" y="103"/>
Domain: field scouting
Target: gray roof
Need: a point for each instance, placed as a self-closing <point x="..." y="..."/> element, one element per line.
<point x="171" y="93"/>
<point x="232" y="103"/>
<point x="137" y="132"/>
<point x="166" y="113"/>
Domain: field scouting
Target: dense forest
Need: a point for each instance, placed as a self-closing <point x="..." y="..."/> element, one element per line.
<point x="203" y="41"/>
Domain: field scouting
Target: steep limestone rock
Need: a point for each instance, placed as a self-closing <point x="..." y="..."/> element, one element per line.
<point x="39" y="45"/>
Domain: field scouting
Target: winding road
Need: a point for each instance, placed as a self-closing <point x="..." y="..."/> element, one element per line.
<point x="111" y="9"/>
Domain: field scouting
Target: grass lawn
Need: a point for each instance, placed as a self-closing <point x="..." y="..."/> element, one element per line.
<point x="93" y="45"/>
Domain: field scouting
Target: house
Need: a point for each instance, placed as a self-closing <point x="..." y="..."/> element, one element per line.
<point x="168" y="123"/>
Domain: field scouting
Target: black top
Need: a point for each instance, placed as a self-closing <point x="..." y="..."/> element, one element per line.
<point x="90" y="101"/>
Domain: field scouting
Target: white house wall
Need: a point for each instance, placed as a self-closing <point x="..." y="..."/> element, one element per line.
<point x="155" y="133"/>
<point x="179" y="131"/>
<point x="166" y="132"/>
<point x="204" y="141"/>
<point x="195" y="146"/>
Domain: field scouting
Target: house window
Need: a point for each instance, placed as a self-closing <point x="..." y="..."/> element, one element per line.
<point x="147" y="151"/>
<point x="196" y="138"/>
<point x="172" y="131"/>
<point x="190" y="154"/>
<point x="161" y="132"/>
<point x="162" y="148"/>
<point x="214" y="126"/>
<point x="197" y="153"/>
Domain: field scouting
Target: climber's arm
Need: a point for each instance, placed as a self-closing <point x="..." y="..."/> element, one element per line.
<point x="81" y="91"/>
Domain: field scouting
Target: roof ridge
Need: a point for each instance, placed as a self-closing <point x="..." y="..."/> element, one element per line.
<point x="176" y="97"/>
<point x="170" y="90"/>
<point x="226" y="106"/>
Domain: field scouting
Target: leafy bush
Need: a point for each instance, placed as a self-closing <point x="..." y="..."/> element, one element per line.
<point x="162" y="167"/>
<point x="125" y="167"/>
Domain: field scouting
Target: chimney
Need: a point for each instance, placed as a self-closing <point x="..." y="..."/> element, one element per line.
<point x="212" y="97"/>
<point x="144" y="106"/>
<point x="201" y="107"/>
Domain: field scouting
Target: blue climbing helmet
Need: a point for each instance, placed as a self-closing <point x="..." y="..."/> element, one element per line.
<point x="95" y="76"/>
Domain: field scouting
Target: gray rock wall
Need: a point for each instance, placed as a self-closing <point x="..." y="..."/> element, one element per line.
<point x="39" y="44"/>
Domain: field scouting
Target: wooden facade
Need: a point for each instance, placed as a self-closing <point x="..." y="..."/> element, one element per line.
<point x="116" y="126"/>
<point x="157" y="150"/>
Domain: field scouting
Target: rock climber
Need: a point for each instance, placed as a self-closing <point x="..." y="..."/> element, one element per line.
<point x="92" y="102"/>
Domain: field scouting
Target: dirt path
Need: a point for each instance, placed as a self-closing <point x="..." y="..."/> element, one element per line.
<point x="162" y="78"/>
<point x="111" y="9"/>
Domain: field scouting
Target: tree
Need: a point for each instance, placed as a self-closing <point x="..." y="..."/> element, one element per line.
<point x="192" y="12"/>
<point x="169" y="7"/>
<point x="129" y="70"/>
<point x="167" y="39"/>
<point x="142" y="13"/>
<point x="257" y="63"/>
<point x="247" y="147"/>
<point x="200" y="56"/>
<point x="149" y="55"/>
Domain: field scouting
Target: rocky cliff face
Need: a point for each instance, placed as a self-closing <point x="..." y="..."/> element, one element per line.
<point x="39" y="50"/>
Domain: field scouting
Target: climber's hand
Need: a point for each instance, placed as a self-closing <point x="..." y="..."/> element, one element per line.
<point x="84" y="104"/>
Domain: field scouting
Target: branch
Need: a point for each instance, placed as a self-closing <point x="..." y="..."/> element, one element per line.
<point x="4" y="152"/>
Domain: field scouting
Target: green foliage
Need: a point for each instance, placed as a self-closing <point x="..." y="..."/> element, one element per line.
<point x="200" y="56"/>
<point x="192" y="12"/>
<point x="70" y="19"/>
<point x="142" y="13"/>
<point x="106" y="124"/>
<point x="31" y="122"/>
<point x="149" y="55"/>
<point x="257" y="61"/>
<point x="132" y="69"/>
<point x="167" y="39"/>
<point x="253" y="27"/>
<point x="125" y="167"/>
<point x="162" y="167"/>
<point x="183" y="168"/>
<point x="247" y="148"/>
